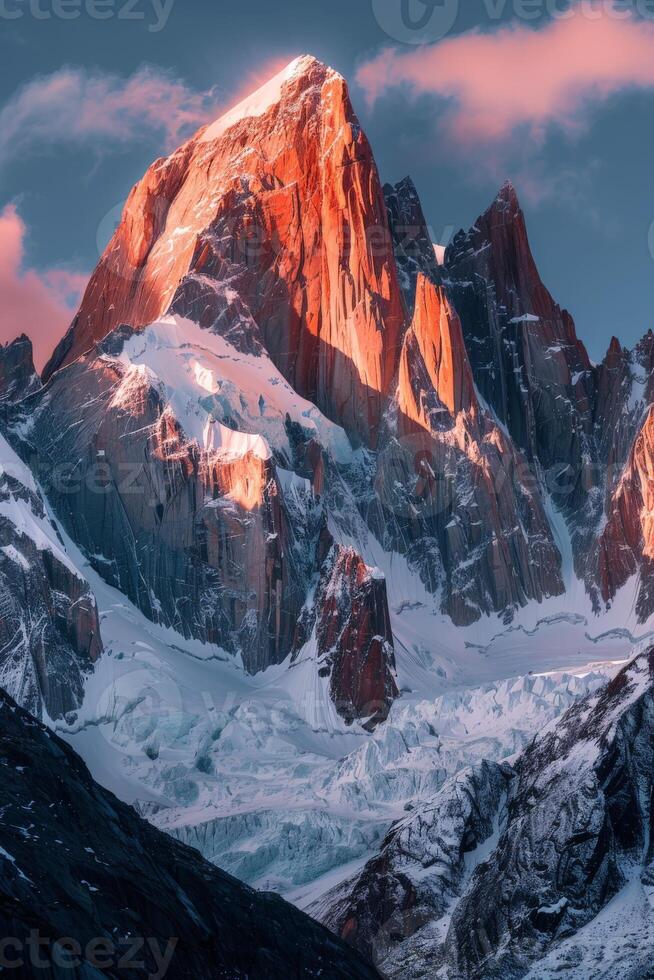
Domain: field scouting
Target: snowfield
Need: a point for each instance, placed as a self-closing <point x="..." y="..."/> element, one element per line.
<point x="262" y="775"/>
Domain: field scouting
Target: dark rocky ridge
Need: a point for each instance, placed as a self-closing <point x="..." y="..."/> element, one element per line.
<point x="78" y="863"/>
<point x="557" y="834"/>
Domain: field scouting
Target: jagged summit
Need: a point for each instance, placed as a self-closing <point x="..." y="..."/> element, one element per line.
<point x="305" y="69"/>
<point x="507" y="194"/>
<point x="272" y="227"/>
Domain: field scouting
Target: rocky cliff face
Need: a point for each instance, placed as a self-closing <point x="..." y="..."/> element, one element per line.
<point x="454" y="493"/>
<point x="348" y="621"/>
<point x="131" y="899"/>
<point x="298" y="229"/>
<point x="49" y="629"/>
<point x="626" y="543"/>
<point x="421" y="867"/>
<point x="526" y="358"/>
<point x="412" y="244"/>
<point x="18" y="376"/>
<point x="197" y="535"/>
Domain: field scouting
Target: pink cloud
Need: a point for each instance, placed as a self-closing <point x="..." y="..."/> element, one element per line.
<point x="40" y="304"/>
<point x="74" y="105"/>
<point x="520" y="77"/>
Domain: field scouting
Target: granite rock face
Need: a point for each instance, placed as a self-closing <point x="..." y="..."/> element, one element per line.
<point x="18" y="376"/>
<point x="526" y="358"/>
<point x="453" y="492"/>
<point x="49" y="629"/>
<point x="412" y="244"/>
<point x="198" y="539"/>
<point x="349" y="622"/>
<point x="298" y="229"/>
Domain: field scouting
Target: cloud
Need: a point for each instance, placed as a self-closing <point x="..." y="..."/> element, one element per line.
<point x="521" y="79"/>
<point x="80" y="107"/>
<point x="40" y="304"/>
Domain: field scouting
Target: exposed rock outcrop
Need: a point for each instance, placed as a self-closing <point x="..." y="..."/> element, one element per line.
<point x="298" y="228"/>
<point x="348" y="620"/>
<point x="453" y="492"/>
<point x="49" y="629"/>
<point x="412" y="243"/>
<point x="18" y="376"/>
<point x="526" y="358"/>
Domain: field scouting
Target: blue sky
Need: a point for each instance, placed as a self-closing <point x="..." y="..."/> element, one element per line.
<point x="585" y="182"/>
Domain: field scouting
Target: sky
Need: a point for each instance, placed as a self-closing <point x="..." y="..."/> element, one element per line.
<point x="557" y="96"/>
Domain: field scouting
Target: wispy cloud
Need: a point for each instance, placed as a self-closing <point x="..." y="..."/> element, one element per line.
<point x="74" y="106"/>
<point x="40" y="304"/>
<point x="518" y="78"/>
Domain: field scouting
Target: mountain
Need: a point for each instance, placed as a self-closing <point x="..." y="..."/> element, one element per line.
<point x="89" y="880"/>
<point x="309" y="538"/>
<point x="514" y="864"/>
<point x="260" y="314"/>
<point x="297" y="229"/>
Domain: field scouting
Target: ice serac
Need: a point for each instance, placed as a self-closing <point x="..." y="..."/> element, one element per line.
<point x="77" y="862"/>
<point x="526" y="358"/>
<point x="49" y="628"/>
<point x="420" y="870"/>
<point x="452" y="491"/>
<point x="348" y="620"/>
<point x="281" y="200"/>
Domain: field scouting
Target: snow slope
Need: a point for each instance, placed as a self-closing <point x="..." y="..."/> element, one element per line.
<point x="208" y="382"/>
<point x="259" y="773"/>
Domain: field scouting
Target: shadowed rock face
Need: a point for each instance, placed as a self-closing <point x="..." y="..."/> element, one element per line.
<point x="200" y="540"/>
<point x="18" y="376"/>
<point x="421" y="865"/>
<point x="298" y="229"/>
<point x="412" y="244"/>
<point x="581" y="809"/>
<point x="90" y="867"/>
<point x="49" y="629"/>
<point x="454" y="493"/>
<point x="526" y="358"/>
